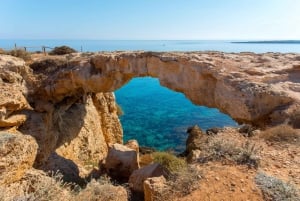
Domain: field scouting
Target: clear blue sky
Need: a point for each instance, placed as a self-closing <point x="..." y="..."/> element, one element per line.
<point x="150" y="19"/>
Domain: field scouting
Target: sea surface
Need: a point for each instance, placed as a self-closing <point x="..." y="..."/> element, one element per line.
<point x="159" y="117"/>
<point x="154" y="115"/>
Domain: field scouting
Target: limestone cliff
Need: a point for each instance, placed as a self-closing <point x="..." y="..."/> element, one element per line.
<point x="77" y="128"/>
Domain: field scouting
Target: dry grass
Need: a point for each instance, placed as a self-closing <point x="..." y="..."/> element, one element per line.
<point x="182" y="180"/>
<point x="18" y="53"/>
<point x="281" y="133"/>
<point x="275" y="189"/>
<point x="46" y="188"/>
<point x="181" y="183"/>
<point x="225" y="150"/>
<point x="102" y="190"/>
<point x="53" y="188"/>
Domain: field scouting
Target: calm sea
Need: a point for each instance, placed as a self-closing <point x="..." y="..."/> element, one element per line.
<point x="154" y="115"/>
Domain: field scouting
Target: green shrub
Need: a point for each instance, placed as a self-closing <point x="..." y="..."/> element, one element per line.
<point x="61" y="50"/>
<point x="276" y="189"/>
<point x="172" y="163"/>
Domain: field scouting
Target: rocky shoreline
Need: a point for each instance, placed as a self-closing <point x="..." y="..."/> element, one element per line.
<point x="58" y="113"/>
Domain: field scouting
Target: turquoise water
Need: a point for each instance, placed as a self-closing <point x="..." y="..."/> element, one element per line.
<point x="158" y="117"/>
<point x="154" y="115"/>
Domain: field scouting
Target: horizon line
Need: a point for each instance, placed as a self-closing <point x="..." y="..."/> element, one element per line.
<point x="262" y="39"/>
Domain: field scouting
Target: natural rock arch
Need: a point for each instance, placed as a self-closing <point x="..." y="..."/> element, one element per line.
<point x="61" y="102"/>
<point x="241" y="85"/>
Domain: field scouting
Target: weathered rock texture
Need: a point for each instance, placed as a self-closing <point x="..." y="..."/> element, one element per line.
<point x="66" y="102"/>
<point x="138" y="177"/>
<point x="17" y="154"/>
<point x="257" y="88"/>
<point x="78" y="128"/>
<point x="153" y="188"/>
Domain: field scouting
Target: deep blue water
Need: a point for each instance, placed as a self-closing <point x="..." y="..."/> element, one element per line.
<point x="155" y="45"/>
<point x="154" y="115"/>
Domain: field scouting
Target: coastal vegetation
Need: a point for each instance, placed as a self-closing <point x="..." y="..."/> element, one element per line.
<point x="62" y="50"/>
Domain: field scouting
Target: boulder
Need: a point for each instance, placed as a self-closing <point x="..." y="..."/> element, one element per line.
<point x="138" y="177"/>
<point x="121" y="161"/>
<point x="153" y="187"/>
<point x="17" y="154"/>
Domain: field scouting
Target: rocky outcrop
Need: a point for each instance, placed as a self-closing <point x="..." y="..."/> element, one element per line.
<point x="12" y="85"/>
<point x="154" y="188"/>
<point x="77" y="128"/>
<point x="257" y="88"/>
<point x="121" y="161"/>
<point x="17" y="155"/>
<point x="66" y="102"/>
<point x="138" y="177"/>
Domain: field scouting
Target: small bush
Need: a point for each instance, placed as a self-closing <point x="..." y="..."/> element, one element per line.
<point x="48" y="188"/>
<point x="218" y="150"/>
<point x="61" y="50"/>
<point x="20" y="53"/>
<point x="248" y="155"/>
<point x="102" y="190"/>
<point x="275" y="189"/>
<point x="172" y="163"/>
<point x="281" y="133"/>
<point x="180" y="184"/>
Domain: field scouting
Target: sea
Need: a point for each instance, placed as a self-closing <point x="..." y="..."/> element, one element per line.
<point x="154" y="115"/>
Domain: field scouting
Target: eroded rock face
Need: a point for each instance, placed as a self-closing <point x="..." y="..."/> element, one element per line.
<point x="257" y="88"/>
<point x="17" y="155"/>
<point x="79" y="127"/>
<point x="13" y="87"/>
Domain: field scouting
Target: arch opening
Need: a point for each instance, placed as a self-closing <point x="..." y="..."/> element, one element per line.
<point x="159" y="117"/>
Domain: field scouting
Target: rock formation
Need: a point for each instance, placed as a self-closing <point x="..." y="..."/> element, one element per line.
<point x="78" y="128"/>
<point x="17" y="155"/>
<point x="261" y="89"/>
<point x="66" y="103"/>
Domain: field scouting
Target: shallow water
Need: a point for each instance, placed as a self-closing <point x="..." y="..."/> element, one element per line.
<point x="158" y="117"/>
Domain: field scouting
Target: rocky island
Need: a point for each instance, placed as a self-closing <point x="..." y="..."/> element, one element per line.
<point x="58" y="113"/>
